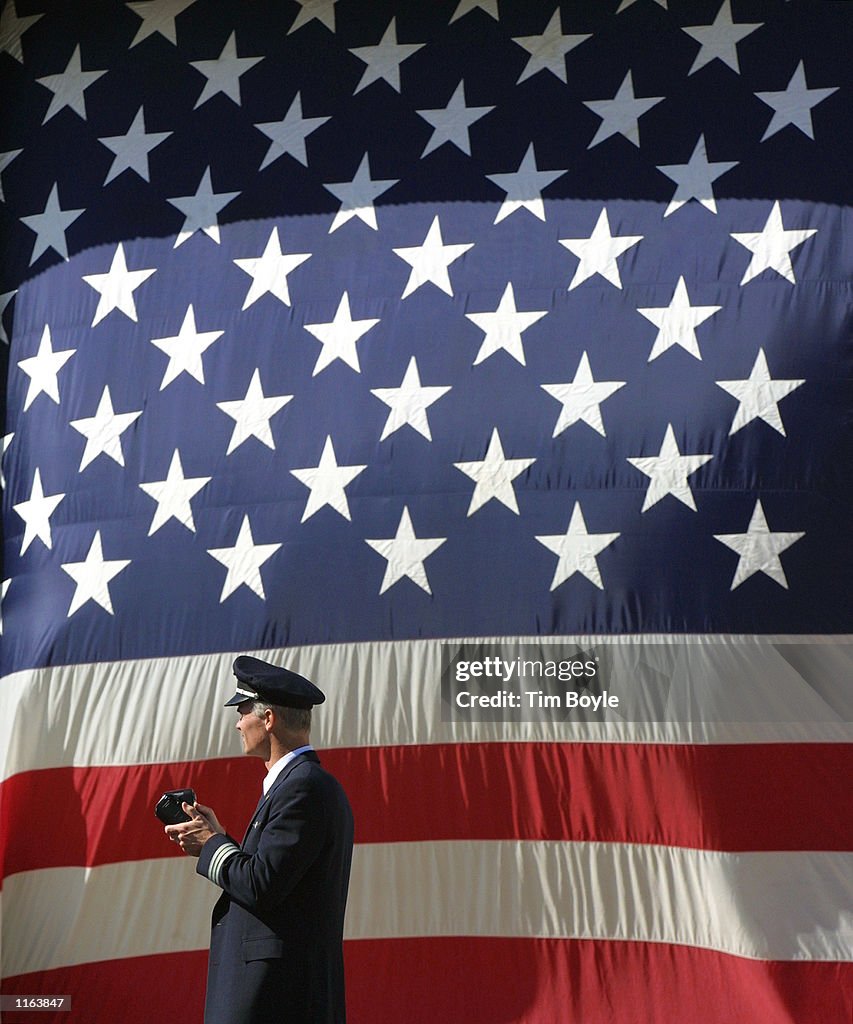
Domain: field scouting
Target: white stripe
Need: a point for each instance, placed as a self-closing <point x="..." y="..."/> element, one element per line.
<point x="777" y="906"/>
<point x="379" y="694"/>
<point x="64" y="916"/>
<point x="218" y="859"/>
<point x="783" y="906"/>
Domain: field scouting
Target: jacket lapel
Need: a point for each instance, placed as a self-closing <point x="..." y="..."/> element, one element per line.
<point x="256" y="812"/>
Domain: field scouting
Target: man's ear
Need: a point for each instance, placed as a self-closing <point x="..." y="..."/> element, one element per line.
<point x="269" y="719"/>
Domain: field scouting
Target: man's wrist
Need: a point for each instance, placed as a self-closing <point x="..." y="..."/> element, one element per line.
<point x="221" y="853"/>
<point x="215" y="851"/>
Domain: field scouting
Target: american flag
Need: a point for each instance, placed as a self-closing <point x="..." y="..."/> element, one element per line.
<point x="338" y="330"/>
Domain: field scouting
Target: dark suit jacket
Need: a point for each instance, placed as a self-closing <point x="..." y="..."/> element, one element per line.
<point x="276" y="941"/>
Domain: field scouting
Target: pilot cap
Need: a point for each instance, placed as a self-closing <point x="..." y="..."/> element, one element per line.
<point x="259" y="680"/>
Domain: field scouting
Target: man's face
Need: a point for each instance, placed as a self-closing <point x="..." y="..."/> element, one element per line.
<point x="252" y="731"/>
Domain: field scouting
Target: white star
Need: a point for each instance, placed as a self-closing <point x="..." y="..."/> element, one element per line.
<point x="269" y="271"/>
<point x="524" y="187"/>
<point x="158" y="16"/>
<point x="5" y="299"/>
<point x="132" y="149"/>
<point x="223" y="74"/>
<point x="103" y="431"/>
<point x="36" y="513"/>
<point x="93" y="577"/>
<point x="720" y="39"/>
<point x="5" y="585"/>
<point x="69" y="86"/>
<point x="694" y="179"/>
<point x="576" y="550"/>
<point x="668" y="472"/>
<point x="185" y="350"/>
<point x="288" y="135"/>
<point x="5" y="160"/>
<point x="620" y="115"/>
<point x="315" y="10"/>
<point x="252" y="414"/>
<point x="12" y="28"/>
<point x="627" y="3"/>
<point x="243" y="562"/>
<point x="117" y="286"/>
<point x="453" y="122"/>
<point x="173" y="496"/>
<point x="50" y="226"/>
<point x="758" y="549"/>
<point x="338" y="338"/>
<point x="43" y="369"/>
<point x="409" y="402"/>
<point x="759" y="396"/>
<point x="548" y="51"/>
<point x="599" y="252"/>
<point x="794" y="104"/>
<point x="677" y="322"/>
<point x="405" y="554"/>
<point x="357" y="196"/>
<point x="582" y="398"/>
<point x="430" y="260"/>
<point x="201" y="210"/>
<point x="504" y="327"/>
<point x="771" y="246"/>
<point x="384" y="59"/>
<point x="464" y="6"/>
<point x="493" y="476"/>
<point x="326" y="482"/>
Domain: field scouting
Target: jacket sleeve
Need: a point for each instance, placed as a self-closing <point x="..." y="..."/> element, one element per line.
<point x="290" y="841"/>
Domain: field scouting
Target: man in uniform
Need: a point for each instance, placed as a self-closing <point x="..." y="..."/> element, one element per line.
<point x="276" y="940"/>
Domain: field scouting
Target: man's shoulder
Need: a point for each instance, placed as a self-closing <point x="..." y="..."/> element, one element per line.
<point x="306" y="782"/>
<point x="307" y="770"/>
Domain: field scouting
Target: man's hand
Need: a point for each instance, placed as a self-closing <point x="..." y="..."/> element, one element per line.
<point x="213" y="821"/>
<point x="193" y="834"/>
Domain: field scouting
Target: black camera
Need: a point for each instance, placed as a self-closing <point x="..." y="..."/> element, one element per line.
<point x="169" y="809"/>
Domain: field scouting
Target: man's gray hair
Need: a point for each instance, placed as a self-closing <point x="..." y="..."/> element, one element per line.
<point x="293" y="719"/>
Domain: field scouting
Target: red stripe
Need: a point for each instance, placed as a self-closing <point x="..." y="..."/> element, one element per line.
<point x="737" y="797"/>
<point x="485" y="981"/>
<point x="551" y="981"/>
